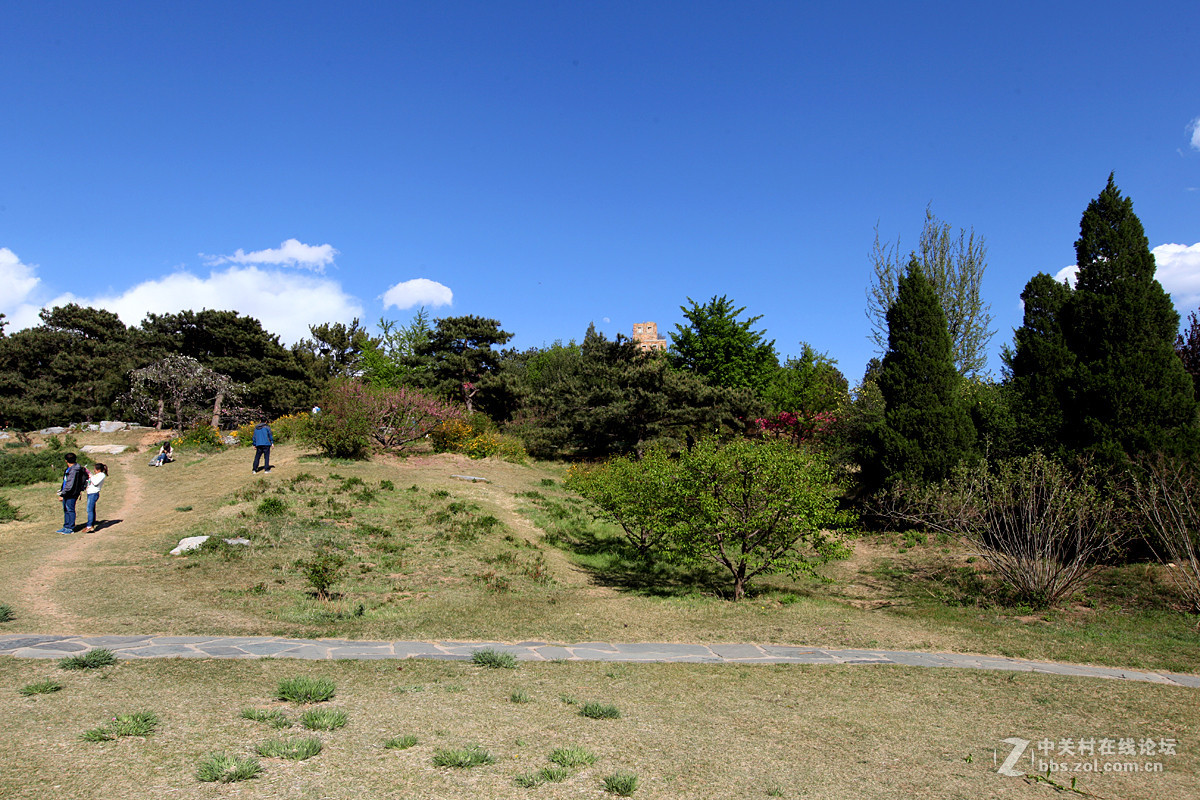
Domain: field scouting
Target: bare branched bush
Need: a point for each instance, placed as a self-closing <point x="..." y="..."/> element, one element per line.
<point x="1167" y="495"/>
<point x="1043" y="529"/>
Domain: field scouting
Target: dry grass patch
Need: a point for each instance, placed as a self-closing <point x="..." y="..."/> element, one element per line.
<point x="691" y="730"/>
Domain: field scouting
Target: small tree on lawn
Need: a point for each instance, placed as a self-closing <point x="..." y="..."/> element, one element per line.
<point x="630" y="493"/>
<point x="182" y="383"/>
<point x="753" y="507"/>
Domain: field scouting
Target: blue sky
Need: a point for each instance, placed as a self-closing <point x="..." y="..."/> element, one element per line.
<point x="554" y="164"/>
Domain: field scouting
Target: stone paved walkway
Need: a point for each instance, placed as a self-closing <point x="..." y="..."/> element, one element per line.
<point x="132" y="647"/>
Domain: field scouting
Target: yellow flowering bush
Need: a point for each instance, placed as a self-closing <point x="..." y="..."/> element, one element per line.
<point x="202" y="437"/>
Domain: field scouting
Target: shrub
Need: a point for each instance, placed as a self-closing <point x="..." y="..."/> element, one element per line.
<point x="361" y="415"/>
<point x="494" y="659"/>
<point x="204" y="438"/>
<point x="321" y="570"/>
<point x="24" y="469"/>
<point x="8" y="512"/>
<point x="305" y="690"/>
<point x="324" y="719"/>
<point x="296" y="749"/>
<point x="224" y="768"/>
<point x="290" y="427"/>
<point x="92" y="659"/>
<point x="1042" y="529"/>
<point x="271" y="507"/>
<point x="599" y="711"/>
<point x="1167" y="496"/>
<point x="462" y="757"/>
<point x="751" y="507"/>
<point x="621" y="783"/>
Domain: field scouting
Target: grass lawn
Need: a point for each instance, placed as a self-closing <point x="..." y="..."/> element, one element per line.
<point x="685" y="730"/>
<point x="410" y="551"/>
<point x="424" y="555"/>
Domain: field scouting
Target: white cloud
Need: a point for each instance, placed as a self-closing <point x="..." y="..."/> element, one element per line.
<point x="1179" y="273"/>
<point x="1177" y="268"/>
<point x="1195" y="127"/>
<point x="285" y="303"/>
<point x="292" y="253"/>
<point x="19" y="282"/>
<point x="418" y="292"/>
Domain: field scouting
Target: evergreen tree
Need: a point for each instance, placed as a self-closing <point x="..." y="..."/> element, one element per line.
<point x="459" y="355"/>
<point x="722" y="349"/>
<point x="1133" y="394"/>
<point x="1041" y="366"/>
<point x="926" y="429"/>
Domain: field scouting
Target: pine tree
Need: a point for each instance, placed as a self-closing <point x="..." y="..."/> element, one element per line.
<point x="1132" y="393"/>
<point x="926" y="429"/>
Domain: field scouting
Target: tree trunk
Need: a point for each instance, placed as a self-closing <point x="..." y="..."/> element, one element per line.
<point x="216" y="417"/>
<point x="162" y="410"/>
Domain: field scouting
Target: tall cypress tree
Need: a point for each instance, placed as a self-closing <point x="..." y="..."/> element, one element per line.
<point x="1041" y="366"/>
<point x="1132" y="394"/>
<point x="926" y="429"/>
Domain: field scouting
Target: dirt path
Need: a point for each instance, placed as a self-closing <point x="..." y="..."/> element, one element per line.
<point x="39" y="590"/>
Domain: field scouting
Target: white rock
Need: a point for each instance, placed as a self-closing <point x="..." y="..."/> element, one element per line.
<point x="190" y="543"/>
<point x="194" y="542"/>
<point x="112" y="426"/>
<point x="111" y="449"/>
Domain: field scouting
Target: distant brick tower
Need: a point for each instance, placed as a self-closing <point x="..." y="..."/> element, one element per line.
<point x="646" y="336"/>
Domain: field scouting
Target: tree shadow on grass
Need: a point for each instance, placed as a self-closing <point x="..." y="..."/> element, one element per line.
<point x="613" y="562"/>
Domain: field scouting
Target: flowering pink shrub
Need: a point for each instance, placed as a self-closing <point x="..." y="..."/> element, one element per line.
<point x="385" y="417"/>
<point x="797" y="427"/>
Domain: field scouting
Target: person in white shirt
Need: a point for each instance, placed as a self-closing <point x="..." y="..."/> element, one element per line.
<point x="95" y="481"/>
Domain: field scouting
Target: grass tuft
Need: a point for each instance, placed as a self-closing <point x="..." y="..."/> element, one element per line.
<point x="275" y="718"/>
<point x="621" y="783"/>
<point x="41" y="687"/>
<point x="401" y="742"/>
<point x="494" y="659"/>
<point x="92" y="659"/>
<point x="296" y="749"/>
<point x="599" y="711"/>
<point x="529" y="780"/>
<point x="462" y="757"/>
<point x="573" y="756"/>
<point x="324" y="719"/>
<point x="6" y="613"/>
<point x="140" y="723"/>
<point x="305" y="690"/>
<point x="224" y="768"/>
<point x="519" y="696"/>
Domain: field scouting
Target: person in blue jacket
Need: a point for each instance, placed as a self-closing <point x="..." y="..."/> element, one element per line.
<point x="262" y="446"/>
<point x="75" y="480"/>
